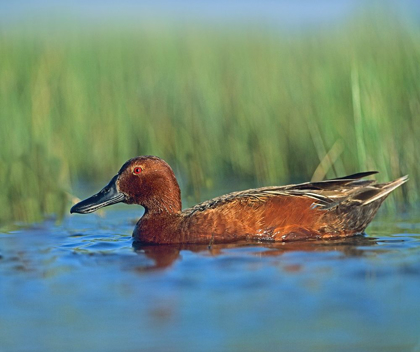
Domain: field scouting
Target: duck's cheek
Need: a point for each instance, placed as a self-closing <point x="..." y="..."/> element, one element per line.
<point x="129" y="186"/>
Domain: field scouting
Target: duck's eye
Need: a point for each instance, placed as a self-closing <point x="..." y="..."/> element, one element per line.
<point x="137" y="170"/>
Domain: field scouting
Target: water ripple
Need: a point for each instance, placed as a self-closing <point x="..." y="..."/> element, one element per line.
<point x="93" y="283"/>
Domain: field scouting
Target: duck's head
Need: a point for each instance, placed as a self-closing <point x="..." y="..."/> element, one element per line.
<point x="146" y="180"/>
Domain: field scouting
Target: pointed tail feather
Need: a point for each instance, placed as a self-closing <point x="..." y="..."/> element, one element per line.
<point x="381" y="191"/>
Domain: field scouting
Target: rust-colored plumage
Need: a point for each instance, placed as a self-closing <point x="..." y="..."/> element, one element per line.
<point x="327" y="209"/>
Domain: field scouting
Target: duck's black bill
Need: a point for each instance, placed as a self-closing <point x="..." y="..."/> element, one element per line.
<point x="107" y="196"/>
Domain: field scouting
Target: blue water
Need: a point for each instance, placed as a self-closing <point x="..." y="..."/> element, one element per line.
<point x="84" y="286"/>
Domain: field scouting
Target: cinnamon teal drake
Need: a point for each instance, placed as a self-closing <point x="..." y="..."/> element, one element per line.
<point x="334" y="208"/>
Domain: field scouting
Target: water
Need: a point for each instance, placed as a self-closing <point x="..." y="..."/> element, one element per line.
<point x="84" y="286"/>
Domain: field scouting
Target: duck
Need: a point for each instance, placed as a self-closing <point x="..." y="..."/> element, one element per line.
<point x="328" y="209"/>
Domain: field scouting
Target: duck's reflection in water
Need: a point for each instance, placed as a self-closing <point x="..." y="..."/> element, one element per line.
<point x="164" y="256"/>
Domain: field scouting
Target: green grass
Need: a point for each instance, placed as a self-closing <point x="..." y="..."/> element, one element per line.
<point x="246" y="103"/>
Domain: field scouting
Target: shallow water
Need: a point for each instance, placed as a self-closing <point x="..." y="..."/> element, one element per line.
<point x="84" y="286"/>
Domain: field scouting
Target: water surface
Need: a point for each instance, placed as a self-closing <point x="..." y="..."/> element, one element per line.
<point x="84" y="285"/>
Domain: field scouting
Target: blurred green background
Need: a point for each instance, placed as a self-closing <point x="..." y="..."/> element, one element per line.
<point x="223" y="101"/>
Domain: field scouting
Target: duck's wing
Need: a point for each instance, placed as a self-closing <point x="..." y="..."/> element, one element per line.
<point x="347" y="190"/>
<point x="326" y="194"/>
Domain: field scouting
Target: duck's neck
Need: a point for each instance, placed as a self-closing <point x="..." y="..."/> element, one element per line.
<point x="166" y="197"/>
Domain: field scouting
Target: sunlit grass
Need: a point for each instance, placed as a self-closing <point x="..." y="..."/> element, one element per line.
<point x="250" y="104"/>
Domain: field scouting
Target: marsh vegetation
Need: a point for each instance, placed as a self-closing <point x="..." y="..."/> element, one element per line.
<point x="252" y="104"/>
